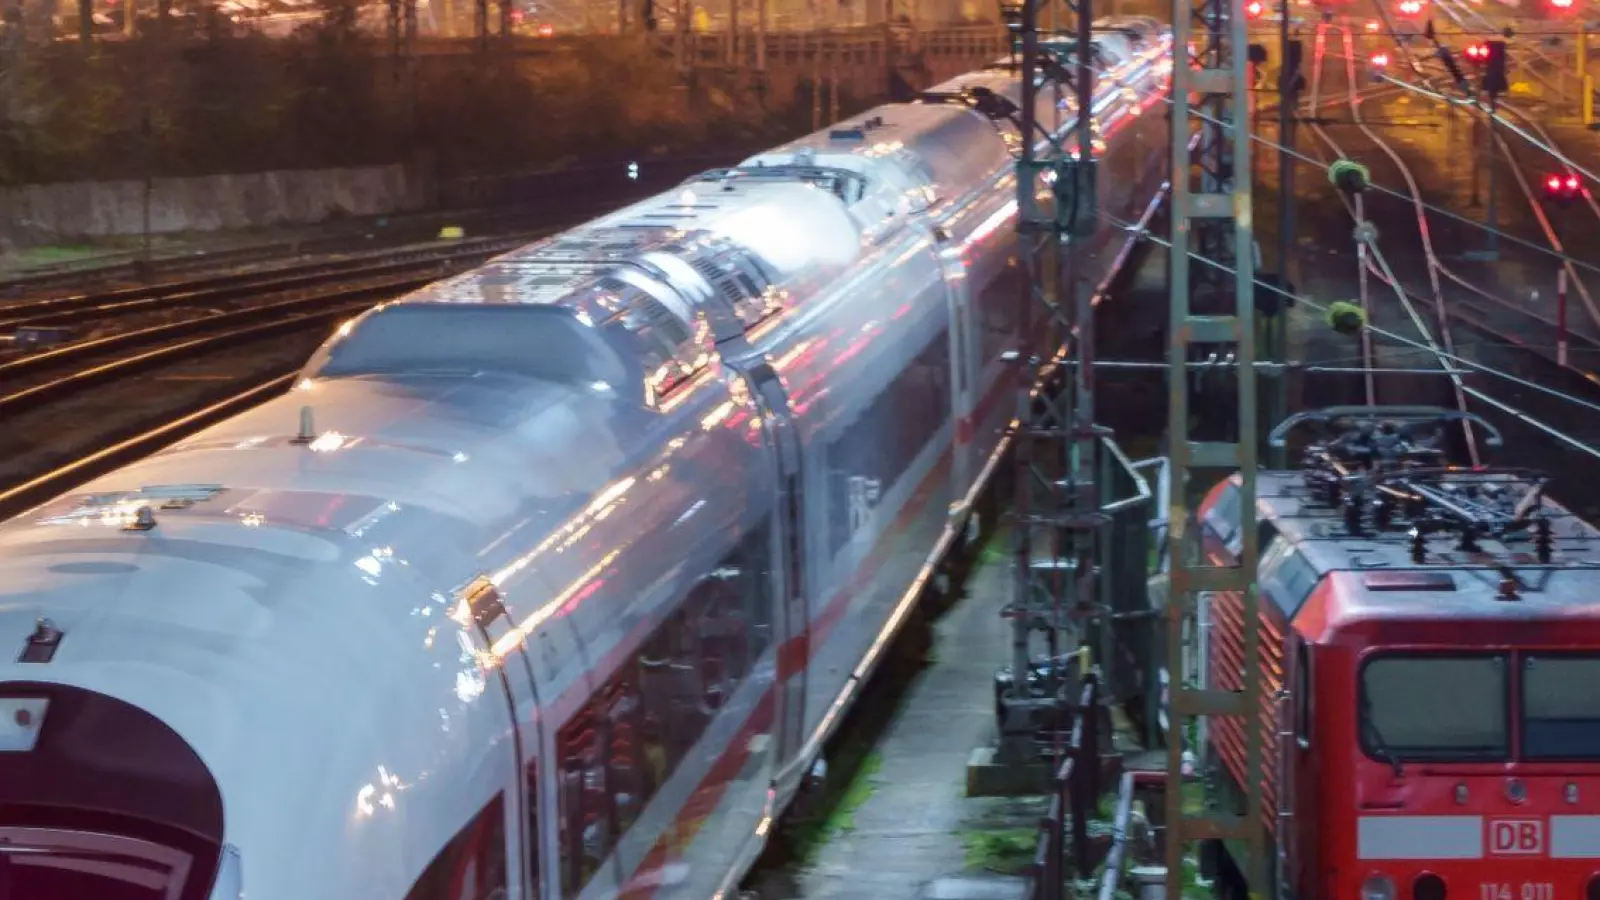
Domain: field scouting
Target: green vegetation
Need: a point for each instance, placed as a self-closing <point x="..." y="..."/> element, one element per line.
<point x="837" y="806"/>
<point x="843" y="818"/>
<point x="172" y="102"/>
<point x="1345" y="317"/>
<point x="996" y="550"/>
<point x="1006" y="851"/>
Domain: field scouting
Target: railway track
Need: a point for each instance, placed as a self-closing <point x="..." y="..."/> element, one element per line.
<point x="118" y="303"/>
<point x="505" y="204"/>
<point x="151" y="364"/>
<point x="1467" y="321"/>
<point x="91" y="404"/>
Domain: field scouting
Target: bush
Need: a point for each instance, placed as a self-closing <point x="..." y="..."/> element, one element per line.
<point x="198" y="100"/>
<point x="1346" y="318"/>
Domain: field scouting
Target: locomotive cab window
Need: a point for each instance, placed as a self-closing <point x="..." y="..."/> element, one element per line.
<point x="1438" y="707"/>
<point x="1560" y="707"/>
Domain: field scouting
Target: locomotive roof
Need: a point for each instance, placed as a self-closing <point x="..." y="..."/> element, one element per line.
<point x="1376" y="575"/>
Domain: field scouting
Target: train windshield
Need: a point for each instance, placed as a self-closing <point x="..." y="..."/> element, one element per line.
<point x="1560" y="707"/>
<point x="1435" y="707"/>
<point x="41" y="870"/>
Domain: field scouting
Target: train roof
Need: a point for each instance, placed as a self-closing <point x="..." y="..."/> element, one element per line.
<point x="1401" y="534"/>
<point x="287" y="592"/>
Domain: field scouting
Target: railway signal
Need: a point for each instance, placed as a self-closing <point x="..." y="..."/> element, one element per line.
<point x="1563" y="188"/>
<point x="1254" y="9"/>
<point x="1410" y="7"/>
<point x="1448" y="59"/>
<point x="1494" y="68"/>
<point x="1380" y="60"/>
<point x="1477" y="53"/>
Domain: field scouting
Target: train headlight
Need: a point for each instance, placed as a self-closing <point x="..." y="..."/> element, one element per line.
<point x="1377" y="887"/>
<point x="1428" y="886"/>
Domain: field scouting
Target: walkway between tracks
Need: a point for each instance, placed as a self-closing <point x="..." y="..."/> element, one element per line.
<point x="905" y="828"/>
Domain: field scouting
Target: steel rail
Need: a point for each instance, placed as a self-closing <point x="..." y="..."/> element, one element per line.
<point x="80" y="350"/>
<point x="123" y="301"/>
<point x="35" y="396"/>
<point x="20" y="498"/>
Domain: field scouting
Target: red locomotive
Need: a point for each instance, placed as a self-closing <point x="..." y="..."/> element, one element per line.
<point x="1431" y="657"/>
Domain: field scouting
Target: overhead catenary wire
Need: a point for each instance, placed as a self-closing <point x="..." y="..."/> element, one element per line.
<point x="1402" y="339"/>
<point x="1390" y="335"/>
<point x="1369" y="237"/>
<point x="1474" y="103"/>
<point x="1381" y="189"/>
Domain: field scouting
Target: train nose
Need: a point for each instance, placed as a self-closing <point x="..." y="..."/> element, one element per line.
<point x="99" y="798"/>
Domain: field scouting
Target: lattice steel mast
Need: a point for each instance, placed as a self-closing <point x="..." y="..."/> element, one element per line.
<point x="1057" y="444"/>
<point x="1211" y="216"/>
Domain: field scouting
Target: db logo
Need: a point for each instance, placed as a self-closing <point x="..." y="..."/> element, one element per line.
<point x="1516" y="837"/>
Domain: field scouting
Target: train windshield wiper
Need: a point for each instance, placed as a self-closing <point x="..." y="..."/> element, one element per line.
<point x="1375" y="737"/>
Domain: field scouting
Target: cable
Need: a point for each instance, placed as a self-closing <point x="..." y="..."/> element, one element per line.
<point x="1301" y="157"/>
<point x="1398" y="338"/>
<point x="1472" y="102"/>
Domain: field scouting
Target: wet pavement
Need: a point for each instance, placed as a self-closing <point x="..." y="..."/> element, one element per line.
<point x="905" y="822"/>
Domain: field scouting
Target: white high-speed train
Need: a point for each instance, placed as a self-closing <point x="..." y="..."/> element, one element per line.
<point x="548" y="580"/>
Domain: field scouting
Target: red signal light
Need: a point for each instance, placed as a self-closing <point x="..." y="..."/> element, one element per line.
<point x="1563" y="187"/>
<point x="1253" y="9"/>
<point x="1379" y="60"/>
<point x="1561" y="4"/>
<point x="1413" y="7"/>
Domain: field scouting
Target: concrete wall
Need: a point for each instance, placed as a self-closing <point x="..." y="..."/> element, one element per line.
<point x="215" y="203"/>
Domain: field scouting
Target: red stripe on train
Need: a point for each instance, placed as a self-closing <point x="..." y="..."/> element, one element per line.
<point x="709" y="792"/>
<point x="967" y="426"/>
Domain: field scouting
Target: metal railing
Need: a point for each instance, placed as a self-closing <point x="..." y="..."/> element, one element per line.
<point x="1075" y="792"/>
<point x="1117" y="855"/>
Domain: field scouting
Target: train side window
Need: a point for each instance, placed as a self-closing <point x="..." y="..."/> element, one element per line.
<point x="1223" y="517"/>
<point x="636" y="730"/>
<point x="1286" y="574"/>
<point x="1560" y="707"/>
<point x="473" y="865"/>
<point x="872" y="454"/>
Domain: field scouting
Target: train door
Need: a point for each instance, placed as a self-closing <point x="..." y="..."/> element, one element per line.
<point x="793" y="615"/>
<point x="494" y="618"/>
<point x="964" y="366"/>
<point x="1301" y="875"/>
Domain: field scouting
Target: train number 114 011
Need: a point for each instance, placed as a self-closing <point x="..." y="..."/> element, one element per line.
<point x="1500" y="890"/>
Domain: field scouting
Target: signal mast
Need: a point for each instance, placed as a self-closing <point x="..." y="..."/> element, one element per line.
<point x="1212" y="311"/>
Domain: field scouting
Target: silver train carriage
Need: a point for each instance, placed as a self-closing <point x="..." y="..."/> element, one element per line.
<point x="548" y="580"/>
